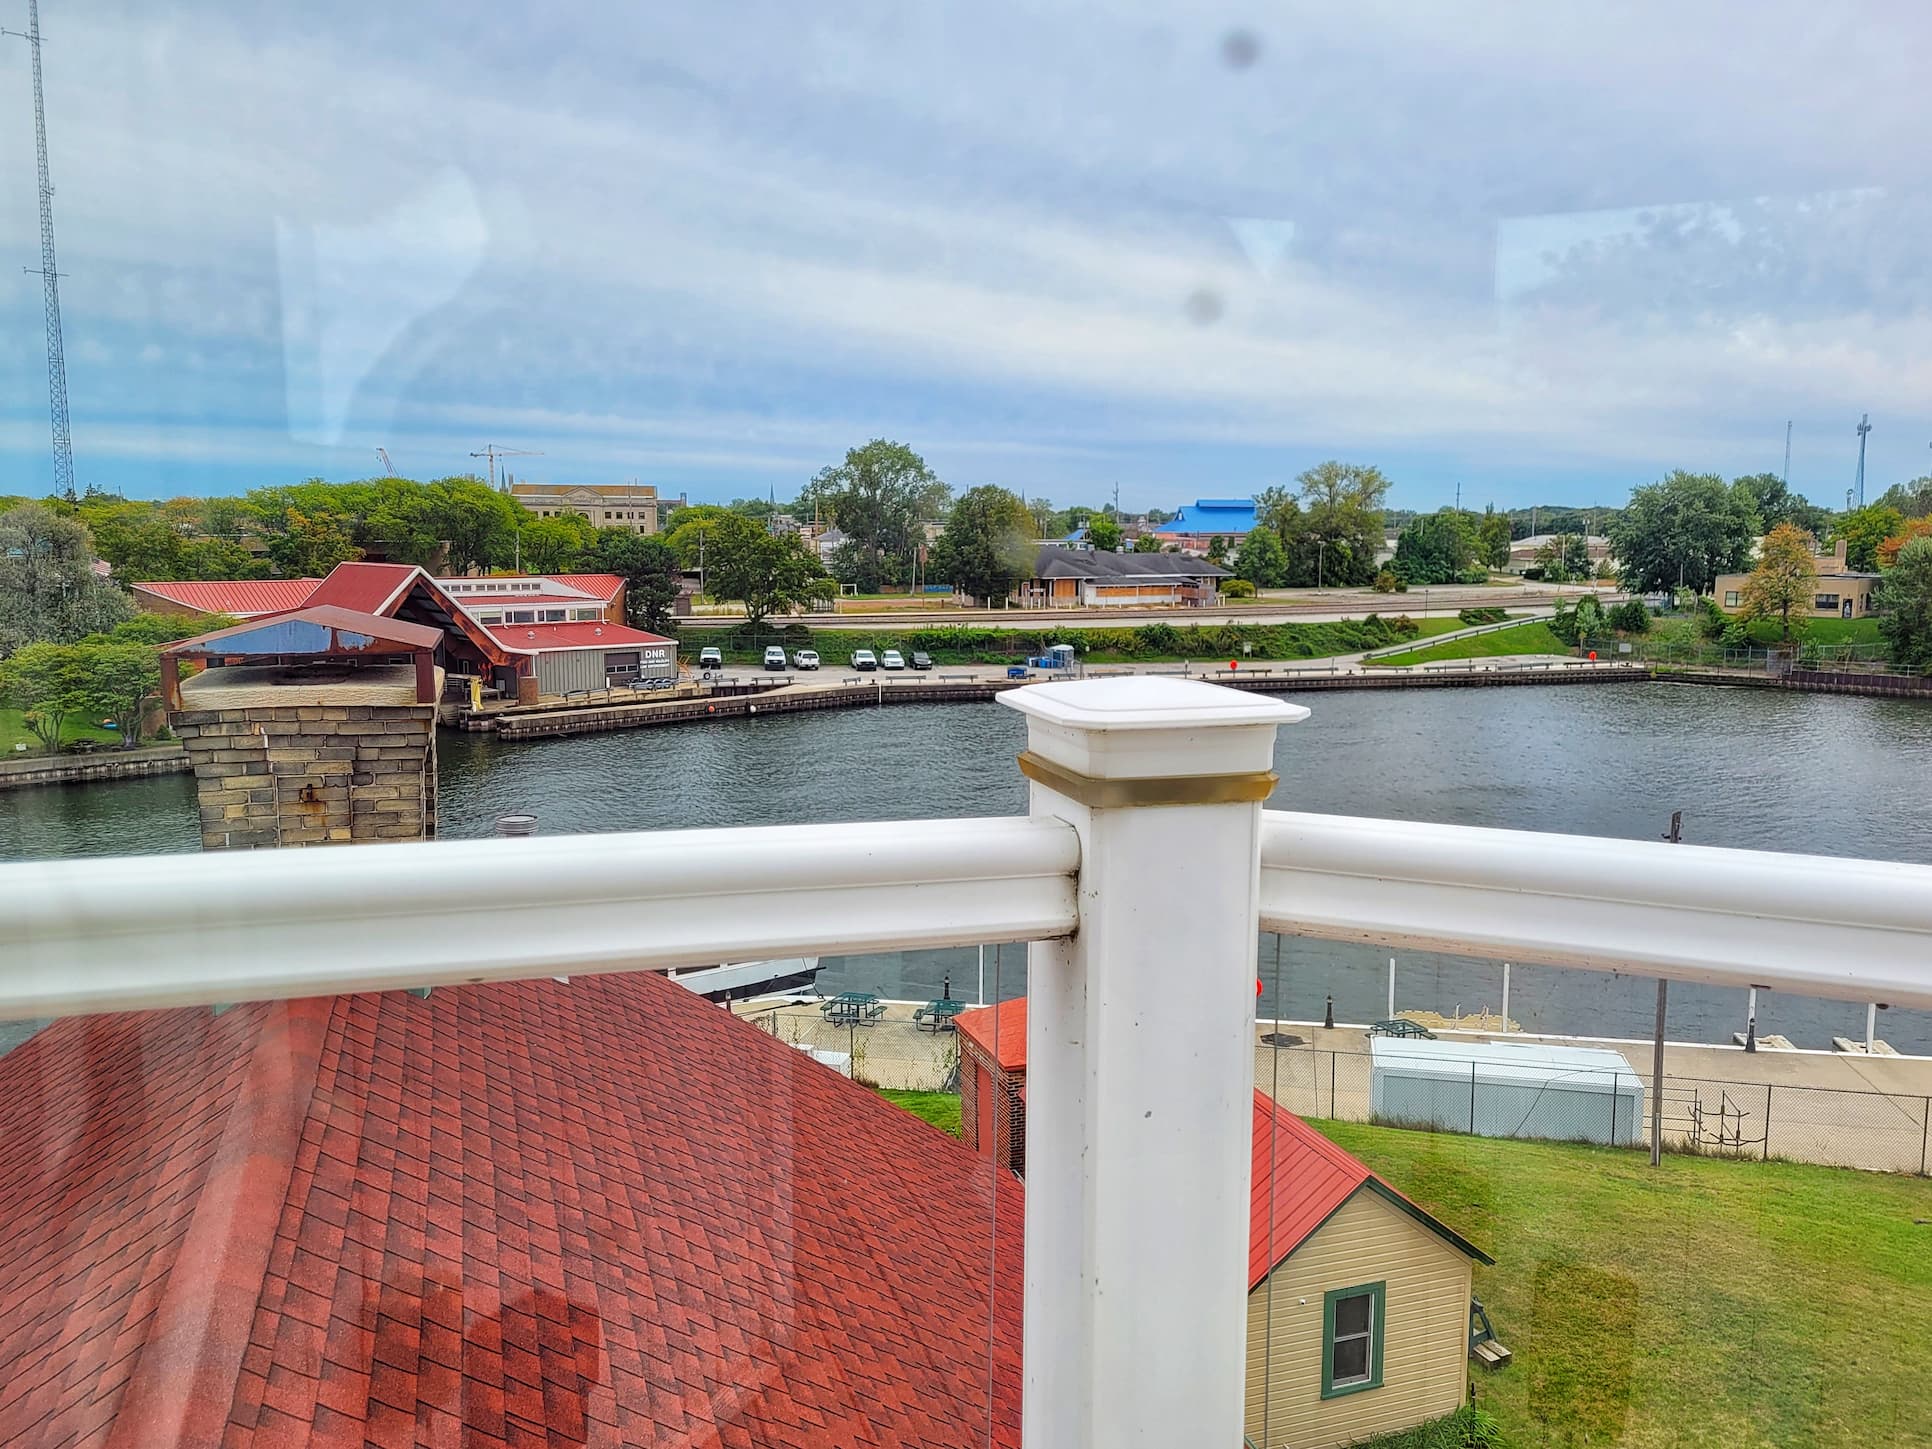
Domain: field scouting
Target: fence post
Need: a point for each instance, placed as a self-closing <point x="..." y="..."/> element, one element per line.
<point x="1925" y="1131"/>
<point x="1331" y="1085"/>
<point x="1472" y="1099"/>
<point x="1140" y="1116"/>
<point x="1767" y="1121"/>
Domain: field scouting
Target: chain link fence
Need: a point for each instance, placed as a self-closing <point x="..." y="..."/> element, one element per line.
<point x="1830" y="1126"/>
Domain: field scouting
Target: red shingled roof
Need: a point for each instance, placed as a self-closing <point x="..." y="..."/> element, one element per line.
<point x="364" y="587"/>
<point x="243" y="598"/>
<point x="977" y="1026"/>
<point x="596" y="1212"/>
<point x="1299" y="1177"/>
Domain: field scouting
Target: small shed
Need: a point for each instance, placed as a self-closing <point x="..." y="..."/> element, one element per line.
<point x="1507" y="1089"/>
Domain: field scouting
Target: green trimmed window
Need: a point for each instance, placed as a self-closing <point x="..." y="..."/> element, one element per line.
<point x="1351" y="1340"/>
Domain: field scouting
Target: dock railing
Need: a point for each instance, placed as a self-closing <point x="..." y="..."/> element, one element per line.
<point x="1141" y="1024"/>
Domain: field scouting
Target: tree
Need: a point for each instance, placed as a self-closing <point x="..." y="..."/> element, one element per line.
<point x="1436" y="549"/>
<point x="1863" y="530"/>
<point x="1785" y="577"/>
<point x="695" y="524"/>
<point x="461" y="522"/>
<point x="1043" y="515"/>
<point x="1334" y="531"/>
<point x="1912" y="500"/>
<point x="49" y="683"/>
<point x="1563" y="558"/>
<point x="1904" y="598"/>
<point x="1888" y="551"/>
<point x="1493" y="540"/>
<point x="1103" y="533"/>
<point x="1775" y="504"/>
<point x="1217" y="550"/>
<point x="556" y="545"/>
<point x="1147" y="543"/>
<point x="125" y="676"/>
<point x="987" y="547"/>
<point x="1685" y="529"/>
<point x="878" y="496"/>
<point x="309" y="545"/>
<point x="769" y="573"/>
<point x="649" y="567"/>
<point x="1262" y="560"/>
<point x="49" y="590"/>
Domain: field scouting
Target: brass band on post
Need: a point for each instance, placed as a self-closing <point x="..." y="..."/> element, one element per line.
<point x="1095" y="794"/>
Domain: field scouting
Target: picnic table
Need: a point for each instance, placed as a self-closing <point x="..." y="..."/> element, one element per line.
<point x="852" y="1008"/>
<point x="1400" y="1026"/>
<point x="937" y="1016"/>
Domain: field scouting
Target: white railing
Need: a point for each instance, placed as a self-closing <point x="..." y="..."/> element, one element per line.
<point x="1142" y="876"/>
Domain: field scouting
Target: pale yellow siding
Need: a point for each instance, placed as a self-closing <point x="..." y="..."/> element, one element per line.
<point x="1425" y="1330"/>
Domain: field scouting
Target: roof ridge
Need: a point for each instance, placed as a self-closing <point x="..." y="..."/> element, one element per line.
<point x="182" y="1383"/>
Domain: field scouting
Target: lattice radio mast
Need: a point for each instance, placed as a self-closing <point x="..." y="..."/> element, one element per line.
<point x="49" y="274"/>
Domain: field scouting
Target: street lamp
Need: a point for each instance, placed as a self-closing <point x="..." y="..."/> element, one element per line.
<point x="1321" y="547"/>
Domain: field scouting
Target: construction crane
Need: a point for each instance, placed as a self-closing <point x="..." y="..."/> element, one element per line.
<point x="493" y="452"/>
<point x="49" y="274"/>
<point x="388" y="468"/>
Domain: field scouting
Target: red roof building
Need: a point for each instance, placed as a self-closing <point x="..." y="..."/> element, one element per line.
<point x="368" y="588"/>
<point x="597" y="1212"/>
<point x="238" y="598"/>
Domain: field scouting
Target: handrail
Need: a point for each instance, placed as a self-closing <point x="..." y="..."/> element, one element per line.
<point x="1856" y="930"/>
<point x="175" y="930"/>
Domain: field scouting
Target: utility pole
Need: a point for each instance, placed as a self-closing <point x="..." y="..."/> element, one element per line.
<point x="493" y="452"/>
<point x="1785" y="477"/>
<point x="1864" y="427"/>
<point x="1459" y="496"/>
<point x="49" y="274"/>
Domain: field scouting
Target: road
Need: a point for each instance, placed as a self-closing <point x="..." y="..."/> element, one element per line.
<point x="1302" y="606"/>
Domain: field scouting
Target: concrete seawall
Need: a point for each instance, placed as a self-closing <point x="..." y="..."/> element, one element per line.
<point x="22" y="774"/>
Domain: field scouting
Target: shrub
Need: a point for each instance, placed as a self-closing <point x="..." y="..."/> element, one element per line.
<point x="1237" y="589"/>
<point x="1735" y="636"/>
<point x="1385" y="582"/>
<point x="1401" y="585"/>
<point x="1404" y="626"/>
<point x="1713" y="621"/>
<point x="1810" y="656"/>
<point x="1158" y="639"/>
<point x="1485" y="615"/>
<point x="1630" y="617"/>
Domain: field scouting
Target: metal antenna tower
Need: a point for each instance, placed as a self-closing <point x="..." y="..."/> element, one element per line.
<point x="50" y="274"/>
<point x="1785" y="477"/>
<point x="1864" y="427"/>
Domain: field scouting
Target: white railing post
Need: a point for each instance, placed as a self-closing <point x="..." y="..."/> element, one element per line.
<point x="1140" y="1063"/>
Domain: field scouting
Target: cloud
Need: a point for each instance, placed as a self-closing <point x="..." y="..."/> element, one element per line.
<point x="1046" y="245"/>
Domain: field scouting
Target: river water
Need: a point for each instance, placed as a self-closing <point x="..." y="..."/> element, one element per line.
<point x="1753" y="769"/>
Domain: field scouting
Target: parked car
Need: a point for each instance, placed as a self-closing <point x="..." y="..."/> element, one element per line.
<point x="710" y="658"/>
<point x="774" y="657"/>
<point x="864" y="659"/>
<point x="893" y="659"/>
<point x="921" y="660"/>
<point x="805" y="659"/>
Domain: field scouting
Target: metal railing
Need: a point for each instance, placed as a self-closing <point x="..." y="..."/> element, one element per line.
<point x="1090" y="878"/>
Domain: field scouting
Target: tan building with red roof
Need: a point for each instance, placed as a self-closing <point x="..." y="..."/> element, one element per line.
<point x="1358" y="1300"/>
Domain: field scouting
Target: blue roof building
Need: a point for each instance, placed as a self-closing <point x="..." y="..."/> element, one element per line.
<point x="1230" y="518"/>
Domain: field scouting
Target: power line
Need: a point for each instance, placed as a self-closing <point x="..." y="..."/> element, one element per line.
<point x="49" y="274"/>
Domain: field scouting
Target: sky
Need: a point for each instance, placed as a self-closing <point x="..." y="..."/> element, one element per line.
<point x="1545" y="252"/>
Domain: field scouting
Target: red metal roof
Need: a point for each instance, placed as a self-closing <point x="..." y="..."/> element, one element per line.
<point x="243" y="598"/>
<point x="603" y="586"/>
<point x="594" y="1212"/>
<point x="977" y="1026"/>
<point x="1299" y="1176"/>
<point x="535" y="638"/>
<point x="333" y="632"/>
<point x="364" y="587"/>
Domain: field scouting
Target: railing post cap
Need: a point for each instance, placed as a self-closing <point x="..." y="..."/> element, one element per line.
<point x="1141" y="727"/>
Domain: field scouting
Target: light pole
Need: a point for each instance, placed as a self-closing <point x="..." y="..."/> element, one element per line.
<point x="1321" y="548"/>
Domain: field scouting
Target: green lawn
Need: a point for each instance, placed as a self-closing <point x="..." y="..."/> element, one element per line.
<point x="939" y="1108"/>
<point x="1533" y="637"/>
<point x="1707" y="1303"/>
<point x="1096" y="641"/>
<point x="1818" y="631"/>
<point x="13" y="731"/>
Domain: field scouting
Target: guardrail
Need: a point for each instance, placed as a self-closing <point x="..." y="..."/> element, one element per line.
<point x="1089" y="879"/>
